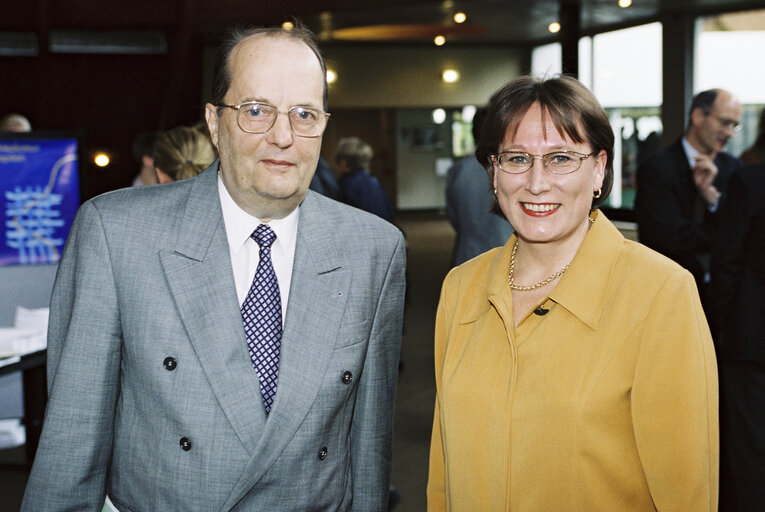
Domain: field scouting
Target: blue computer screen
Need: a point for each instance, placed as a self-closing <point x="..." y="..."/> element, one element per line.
<point x="39" y="196"/>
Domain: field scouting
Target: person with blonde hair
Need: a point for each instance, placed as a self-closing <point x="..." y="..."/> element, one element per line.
<point x="182" y="152"/>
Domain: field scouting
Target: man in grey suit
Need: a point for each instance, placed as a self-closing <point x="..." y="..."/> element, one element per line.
<point x="159" y="397"/>
<point x="470" y="205"/>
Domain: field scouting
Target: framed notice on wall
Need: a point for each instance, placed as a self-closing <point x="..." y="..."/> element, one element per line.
<point x="39" y="196"/>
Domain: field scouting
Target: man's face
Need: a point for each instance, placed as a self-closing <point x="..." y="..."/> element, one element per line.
<point x="709" y="133"/>
<point x="268" y="174"/>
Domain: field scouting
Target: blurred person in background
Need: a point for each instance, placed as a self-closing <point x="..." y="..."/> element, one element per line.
<point x="469" y="204"/>
<point x="680" y="188"/>
<point x="738" y="321"/>
<point x="15" y="123"/>
<point x="324" y="181"/>
<point x="181" y="153"/>
<point x="357" y="187"/>
<point x="756" y="153"/>
<point x="143" y="152"/>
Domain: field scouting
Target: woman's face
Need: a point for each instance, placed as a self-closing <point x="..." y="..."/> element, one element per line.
<point x="540" y="205"/>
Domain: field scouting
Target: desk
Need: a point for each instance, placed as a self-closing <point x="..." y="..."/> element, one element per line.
<point x="32" y="366"/>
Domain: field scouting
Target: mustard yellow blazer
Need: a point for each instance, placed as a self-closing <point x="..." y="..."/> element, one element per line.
<point x="607" y="402"/>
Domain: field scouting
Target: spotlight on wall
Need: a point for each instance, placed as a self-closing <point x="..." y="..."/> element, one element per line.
<point x="439" y="115"/>
<point x="460" y="17"/>
<point x="439" y="40"/>
<point x="288" y="25"/>
<point x="101" y="159"/>
<point x="450" y="75"/>
<point x="554" y="27"/>
<point x="331" y="76"/>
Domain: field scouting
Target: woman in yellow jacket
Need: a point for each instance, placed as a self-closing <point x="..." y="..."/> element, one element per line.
<point x="574" y="369"/>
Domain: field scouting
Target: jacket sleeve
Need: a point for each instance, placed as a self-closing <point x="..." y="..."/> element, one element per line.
<point x="662" y="223"/>
<point x="84" y="341"/>
<point x="372" y="427"/>
<point x="736" y="217"/>
<point x="674" y="401"/>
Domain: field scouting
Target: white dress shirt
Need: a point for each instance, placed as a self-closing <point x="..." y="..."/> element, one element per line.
<point x="691" y="153"/>
<point x="245" y="252"/>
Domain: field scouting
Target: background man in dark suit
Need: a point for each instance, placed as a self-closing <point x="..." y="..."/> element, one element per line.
<point x="680" y="188"/>
<point x="738" y="323"/>
<point x="155" y="398"/>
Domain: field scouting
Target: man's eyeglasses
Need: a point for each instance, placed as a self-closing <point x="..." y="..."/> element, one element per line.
<point x="258" y="117"/>
<point x="557" y="162"/>
<point x="728" y="124"/>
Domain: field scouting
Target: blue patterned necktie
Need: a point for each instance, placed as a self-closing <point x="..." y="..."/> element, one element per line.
<point x="262" y="317"/>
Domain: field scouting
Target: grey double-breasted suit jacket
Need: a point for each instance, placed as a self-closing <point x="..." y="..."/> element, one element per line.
<point x="152" y="395"/>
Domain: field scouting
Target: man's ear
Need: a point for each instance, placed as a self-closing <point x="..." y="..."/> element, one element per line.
<point x="211" y="116"/>
<point x="697" y="116"/>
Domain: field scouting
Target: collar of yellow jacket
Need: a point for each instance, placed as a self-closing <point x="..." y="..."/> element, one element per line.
<point x="582" y="290"/>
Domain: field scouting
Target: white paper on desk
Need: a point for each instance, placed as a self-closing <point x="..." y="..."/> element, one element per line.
<point x="16" y="341"/>
<point x="37" y="318"/>
<point x="12" y="433"/>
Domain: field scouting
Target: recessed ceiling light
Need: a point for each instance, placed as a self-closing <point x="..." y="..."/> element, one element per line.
<point x="331" y="76"/>
<point x="288" y="25"/>
<point x="101" y="159"/>
<point x="460" y="17"/>
<point x="625" y="3"/>
<point x="450" y="76"/>
<point x="439" y="40"/>
<point x="554" y="27"/>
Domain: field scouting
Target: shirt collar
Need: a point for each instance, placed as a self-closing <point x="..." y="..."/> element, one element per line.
<point x="690" y="151"/>
<point x="582" y="289"/>
<point x="240" y="224"/>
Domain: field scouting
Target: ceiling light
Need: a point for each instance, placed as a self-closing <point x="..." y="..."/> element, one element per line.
<point x="101" y="159"/>
<point x="288" y="25"/>
<point x="439" y="40"/>
<point x="450" y="76"/>
<point x="625" y="3"/>
<point x="554" y="27"/>
<point x="331" y="76"/>
<point x="439" y="115"/>
<point x="460" y="17"/>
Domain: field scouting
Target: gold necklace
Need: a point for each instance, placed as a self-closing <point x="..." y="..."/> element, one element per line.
<point x="511" y="274"/>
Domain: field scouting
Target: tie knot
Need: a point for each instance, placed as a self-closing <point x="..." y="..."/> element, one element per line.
<point x="264" y="236"/>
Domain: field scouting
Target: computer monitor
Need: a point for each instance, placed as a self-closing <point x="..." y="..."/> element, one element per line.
<point x="39" y="195"/>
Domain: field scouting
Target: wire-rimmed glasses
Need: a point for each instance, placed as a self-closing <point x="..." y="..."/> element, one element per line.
<point x="557" y="162"/>
<point x="728" y="124"/>
<point x="259" y="117"/>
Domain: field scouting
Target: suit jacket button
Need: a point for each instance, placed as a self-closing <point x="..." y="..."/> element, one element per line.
<point x="323" y="453"/>
<point x="185" y="444"/>
<point x="347" y="377"/>
<point x="170" y="363"/>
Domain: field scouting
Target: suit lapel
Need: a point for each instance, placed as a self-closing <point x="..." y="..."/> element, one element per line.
<point x="200" y="278"/>
<point x="318" y="293"/>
